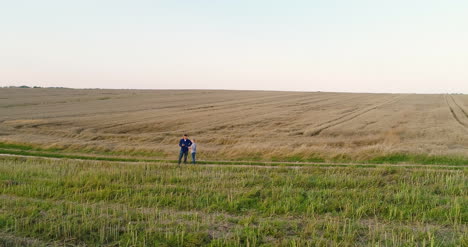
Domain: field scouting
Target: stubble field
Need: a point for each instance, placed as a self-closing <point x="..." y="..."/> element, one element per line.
<point x="97" y="203"/>
<point x="239" y="125"/>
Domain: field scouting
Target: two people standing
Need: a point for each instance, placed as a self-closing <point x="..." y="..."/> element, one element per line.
<point x="185" y="144"/>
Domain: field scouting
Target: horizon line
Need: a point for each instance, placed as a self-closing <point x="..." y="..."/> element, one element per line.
<point x="219" y="89"/>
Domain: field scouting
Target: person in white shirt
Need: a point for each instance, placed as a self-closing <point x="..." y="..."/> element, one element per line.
<point x="193" y="150"/>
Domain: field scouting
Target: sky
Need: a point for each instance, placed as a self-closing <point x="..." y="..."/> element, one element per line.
<point x="398" y="46"/>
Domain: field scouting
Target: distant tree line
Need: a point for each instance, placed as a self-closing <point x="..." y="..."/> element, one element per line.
<point x="24" y="86"/>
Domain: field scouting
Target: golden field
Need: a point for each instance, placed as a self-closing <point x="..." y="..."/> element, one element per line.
<point x="236" y="125"/>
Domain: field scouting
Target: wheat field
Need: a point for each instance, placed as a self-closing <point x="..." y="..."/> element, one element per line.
<point x="236" y="125"/>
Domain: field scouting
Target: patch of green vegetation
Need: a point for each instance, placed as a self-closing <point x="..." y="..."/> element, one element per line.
<point x="31" y="147"/>
<point x="254" y="158"/>
<point x="297" y="158"/>
<point x="234" y="163"/>
<point x="71" y="156"/>
<point x="16" y="146"/>
<point x="399" y="158"/>
<point x="78" y="203"/>
<point x="135" y="153"/>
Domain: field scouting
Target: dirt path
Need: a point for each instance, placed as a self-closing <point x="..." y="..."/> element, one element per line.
<point x="458" y="113"/>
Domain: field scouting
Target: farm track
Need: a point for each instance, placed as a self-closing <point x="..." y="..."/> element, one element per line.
<point x="458" y="113"/>
<point x="326" y="104"/>
<point x="267" y="165"/>
<point x="349" y="116"/>
<point x="461" y="108"/>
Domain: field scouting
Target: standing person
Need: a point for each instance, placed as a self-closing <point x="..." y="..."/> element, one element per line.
<point x="184" y="145"/>
<point x="193" y="150"/>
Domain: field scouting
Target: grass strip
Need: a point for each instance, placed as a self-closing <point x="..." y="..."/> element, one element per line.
<point x="234" y="163"/>
<point x="394" y="158"/>
<point x="77" y="203"/>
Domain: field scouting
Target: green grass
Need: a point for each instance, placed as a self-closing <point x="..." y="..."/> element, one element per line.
<point x="393" y="158"/>
<point x="419" y="159"/>
<point x="235" y="163"/>
<point x="297" y="158"/>
<point x="254" y="159"/>
<point x="16" y="146"/>
<point x="72" y="156"/>
<point x="67" y="202"/>
<point x="31" y="147"/>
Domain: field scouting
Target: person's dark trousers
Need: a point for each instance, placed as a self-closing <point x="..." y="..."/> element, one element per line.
<point x="185" y="154"/>
<point x="193" y="158"/>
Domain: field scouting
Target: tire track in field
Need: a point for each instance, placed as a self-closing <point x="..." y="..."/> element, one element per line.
<point x="349" y="113"/>
<point x="458" y="113"/>
<point x="349" y="116"/>
<point x="461" y="108"/>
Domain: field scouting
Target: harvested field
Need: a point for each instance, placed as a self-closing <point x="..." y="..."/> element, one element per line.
<point x="93" y="203"/>
<point x="237" y="125"/>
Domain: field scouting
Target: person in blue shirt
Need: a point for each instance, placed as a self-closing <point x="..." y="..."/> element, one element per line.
<point x="184" y="145"/>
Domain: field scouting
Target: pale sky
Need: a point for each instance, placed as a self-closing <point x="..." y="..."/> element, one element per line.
<point x="416" y="46"/>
